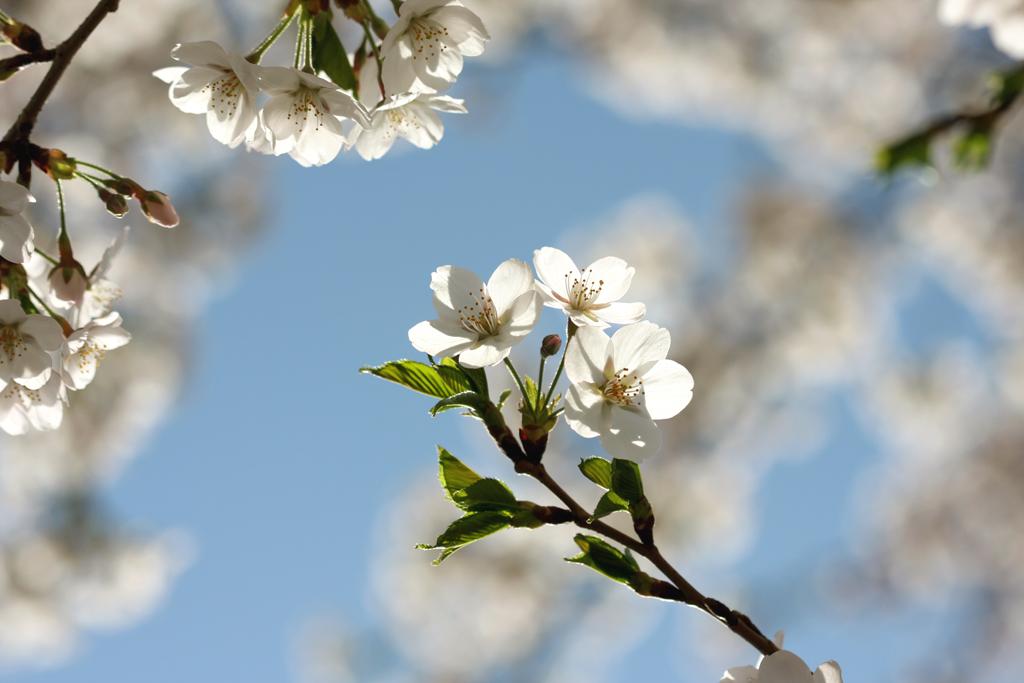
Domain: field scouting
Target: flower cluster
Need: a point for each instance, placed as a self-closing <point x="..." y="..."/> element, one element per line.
<point x="329" y="100"/>
<point x="618" y="385"/>
<point x="1004" y="19"/>
<point x="56" y="319"/>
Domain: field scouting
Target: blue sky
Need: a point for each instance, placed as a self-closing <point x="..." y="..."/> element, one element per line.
<point x="279" y="456"/>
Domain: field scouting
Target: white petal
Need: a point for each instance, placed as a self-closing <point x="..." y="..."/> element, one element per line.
<point x="509" y="281"/>
<point x="45" y="330"/>
<point x="586" y="357"/>
<point x="439" y="340"/>
<point x="521" y="317"/>
<point x="15" y="238"/>
<point x="634" y="345"/>
<point x="484" y="353"/>
<point x="616" y="276"/>
<point x="586" y="412"/>
<point x="13" y="197"/>
<point x="630" y="434"/>
<point x="740" y="674"/>
<point x="29" y="367"/>
<point x="829" y="672"/>
<point x="11" y="312"/>
<point x="668" y="388"/>
<point x="464" y="27"/>
<point x="620" y="313"/>
<point x="377" y="140"/>
<point x="201" y="53"/>
<point x="555" y="269"/>
<point x="456" y="287"/>
<point x="784" y="666"/>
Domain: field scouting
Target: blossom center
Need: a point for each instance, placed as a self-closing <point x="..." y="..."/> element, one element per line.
<point x="428" y="38"/>
<point x="12" y="344"/>
<point x="480" y="317"/>
<point x="304" y="101"/>
<point x="225" y="94"/>
<point x="582" y="289"/>
<point x="625" y="388"/>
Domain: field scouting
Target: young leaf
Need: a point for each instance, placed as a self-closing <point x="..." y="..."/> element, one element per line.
<point x="329" y="54"/>
<point x="504" y="397"/>
<point x="605" y="559"/>
<point x="418" y="377"/>
<point x="626" y="481"/>
<point x="466" y="399"/>
<point x="454" y="475"/>
<point x="466" y="530"/>
<point x="913" y="151"/>
<point x="609" y="503"/>
<point x="455" y="375"/>
<point x="486" y="494"/>
<point x="476" y="378"/>
<point x="597" y="470"/>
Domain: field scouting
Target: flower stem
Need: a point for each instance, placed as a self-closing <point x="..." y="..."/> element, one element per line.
<point x="540" y="375"/>
<point x="519" y="383"/>
<point x="376" y="55"/>
<point x="300" y="41"/>
<point x="95" y="167"/>
<point x="256" y="55"/>
<point x="570" y="330"/>
<point x="46" y="257"/>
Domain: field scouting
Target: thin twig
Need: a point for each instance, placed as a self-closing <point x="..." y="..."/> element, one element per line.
<point x="17" y="137"/>
<point x="15" y="62"/>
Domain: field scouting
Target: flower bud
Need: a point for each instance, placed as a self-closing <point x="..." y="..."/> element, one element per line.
<point x="158" y="208"/>
<point x="21" y="36"/>
<point x="550" y="345"/>
<point x="116" y="204"/>
<point x="68" y="283"/>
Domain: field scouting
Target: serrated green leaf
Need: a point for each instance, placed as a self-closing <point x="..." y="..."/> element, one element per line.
<point x="453" y="473"/>
<point x="417" y="376"/>
<point x="466" y="530"/>
<point x="626" y="480"/>
<point x="466" y="399"/>
<point x="329" y="55"/>
<point x="609" y="503"/>
<point x="486" y="494"/>
<point x="476" y="378"/>
<point x="597" y="470"/>
<point x="604" y="558"/>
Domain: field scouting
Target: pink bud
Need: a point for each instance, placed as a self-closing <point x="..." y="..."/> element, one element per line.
<point x="68" y="285"/>
<point x="158" y="208"/>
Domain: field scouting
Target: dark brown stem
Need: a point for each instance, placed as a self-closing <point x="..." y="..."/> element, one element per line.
<point x="15" y="62"/>
<point x="685" y="592"/>
<point x="16" y="140"/>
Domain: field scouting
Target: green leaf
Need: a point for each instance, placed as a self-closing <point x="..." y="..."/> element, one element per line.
<point x="466" y="530"/>
<point x="609" y="503"/>
<point x="486" y="494"/>
<point x="329" y="54"/>
<point x="973" y="150"/>
<point x="454" y="475"/>
<point x="476" y="378"/>
<point x="597" y="470"/>
<point x="605" y="559"/>
<point x="626" y="481"/>
<point x="466" y="399"/>
<point x="418" y="377"/>
<point x="1007" y="85"/>
<point x="454" y="375"/>
<point x="532" y="392"/>
<point x="914" y="151"/>
<point x="504" y="397"/>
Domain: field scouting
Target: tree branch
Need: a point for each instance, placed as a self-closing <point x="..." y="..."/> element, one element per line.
<point x="16" y="140"/>
<point x="737" y="622"/>
<point x="15" y="62"/>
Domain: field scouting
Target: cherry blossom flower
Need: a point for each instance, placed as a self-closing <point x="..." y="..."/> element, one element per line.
<point x="68" y="285"/>
<point x="424" y="49"/>
<point x="25" y="345"/>
<point x="220" y="84"/>
<point x="304" y="115"/>
<point x="1004" y="18"/>
<point x="408" y="115"/>
<point x="783" y="667"/>
<point x="589" y="297"/>
<point x="15" y="231"/>
<point x="86" y="347"/>
<point x="479" y="322"/>
<point x="23" y="409"/>
<point x="620" y="385"/>
<point x="102" y="294"/>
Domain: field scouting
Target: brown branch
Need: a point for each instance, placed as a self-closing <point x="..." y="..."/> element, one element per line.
<point x="16" y="140"/>
<point x="685" y="592"/>
<point x="15" y="62"/>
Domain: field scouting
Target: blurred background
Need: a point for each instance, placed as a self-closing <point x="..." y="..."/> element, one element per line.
<point x="230" y="500"/>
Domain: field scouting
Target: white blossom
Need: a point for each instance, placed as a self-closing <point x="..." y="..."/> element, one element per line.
<point x="783" y="667"/>
<point x="15" y="231"/>
<point x="479" y="322"/>
<point x="86" y="347"/>
<point x="410" y="115"/>
<point x="1004" y="18"/>
<point x="589" y="297"/>
<point x="68" y="285"/>
<point x="23" y="409"/>
<point x="423" y="51"/>
<point x="25" y="345"/>
<point x="102" y="294"/>
<point x="220" y="84"/>
<point x="620" y="385"/>
<point x="304" y="115"/>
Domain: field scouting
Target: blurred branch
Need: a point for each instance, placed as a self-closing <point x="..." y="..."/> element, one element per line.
<point x="16" y="142"/>
<point x="974" y="149"/>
